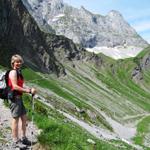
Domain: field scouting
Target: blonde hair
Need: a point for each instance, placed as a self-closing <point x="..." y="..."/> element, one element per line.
<point x="16" y="57"/>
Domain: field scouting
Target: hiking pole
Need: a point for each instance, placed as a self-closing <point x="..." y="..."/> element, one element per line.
<point x="32" y="119"/>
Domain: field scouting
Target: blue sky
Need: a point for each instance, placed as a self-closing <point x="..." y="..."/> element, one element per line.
<point x="136" y="13"/>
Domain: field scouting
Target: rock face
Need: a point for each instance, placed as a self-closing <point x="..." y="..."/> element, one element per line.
<point x="82" y="26"/>
<point x="21" y="34"/>
<point x="143" y="64"/>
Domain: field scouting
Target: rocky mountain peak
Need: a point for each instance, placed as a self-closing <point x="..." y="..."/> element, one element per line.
<point x="85" y="28"/>
<point x="56" y="4"/>
<point x="83" y="9"/>
<point x="115" y="14"/>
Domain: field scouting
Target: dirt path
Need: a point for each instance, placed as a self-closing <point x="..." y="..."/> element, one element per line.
<point x="5" y="130"/>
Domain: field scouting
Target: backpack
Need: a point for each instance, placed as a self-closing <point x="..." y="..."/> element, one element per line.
<point x="4" y="88"/>
<point x="5" y="91"/>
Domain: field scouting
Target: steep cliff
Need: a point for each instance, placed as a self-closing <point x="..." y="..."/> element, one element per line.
<point x="21" y="34"/>
<point x="82" y="26"/>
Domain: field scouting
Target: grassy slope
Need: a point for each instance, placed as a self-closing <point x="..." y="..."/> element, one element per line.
<point x="143" y="127"/>
<point x="61" y="134"/>
<point x="58" y="134"/>
<point x="107" y="88"/>
<point x="143" y="131"/>
<point x="111" y="90"/>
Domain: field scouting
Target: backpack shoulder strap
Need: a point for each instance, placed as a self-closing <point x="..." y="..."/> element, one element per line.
<point x="19" y="74"/>
<point x="7" y="76"/>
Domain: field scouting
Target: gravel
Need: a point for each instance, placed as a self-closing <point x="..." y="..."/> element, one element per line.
<point x="5" y="129"/>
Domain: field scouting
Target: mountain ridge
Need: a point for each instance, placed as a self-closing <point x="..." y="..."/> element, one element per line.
<point x="86" y="28"/>
<point x="96" y="89"/>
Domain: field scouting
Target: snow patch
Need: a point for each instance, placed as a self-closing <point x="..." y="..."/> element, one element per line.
<point x="56" y="18"/>
<point x="118" y="52"/>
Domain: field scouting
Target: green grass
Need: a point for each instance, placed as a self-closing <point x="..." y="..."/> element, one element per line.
<point x="122" y="83"/>
<point x="60" y="134"/>
<point x="1" y="136"/>
<point x="116" y="76"/>
<point x="143" y="53"/>
<point x="53" y="86"/>
<point x="56" y="87"/>
<point x="143" y="128"/>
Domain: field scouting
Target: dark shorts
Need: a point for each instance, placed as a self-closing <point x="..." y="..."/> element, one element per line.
<point x="17" y="108"/>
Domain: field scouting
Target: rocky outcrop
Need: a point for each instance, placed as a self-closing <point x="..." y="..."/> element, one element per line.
<point x="143" y="64"/>
<point x="21" y="34"/>
<point x="84" y="27"/>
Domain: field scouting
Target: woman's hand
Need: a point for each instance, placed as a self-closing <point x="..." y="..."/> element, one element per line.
<point x="33" y="91"/>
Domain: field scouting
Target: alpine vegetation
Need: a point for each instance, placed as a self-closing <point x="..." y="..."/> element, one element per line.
<point x="84" y="100"/>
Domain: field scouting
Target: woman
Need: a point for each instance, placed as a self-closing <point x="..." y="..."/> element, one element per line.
<point x="17" y="108"/>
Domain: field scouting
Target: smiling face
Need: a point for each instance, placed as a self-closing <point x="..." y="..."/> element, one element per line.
<point x="16" y="61"/>
<point x="17" y="64"/>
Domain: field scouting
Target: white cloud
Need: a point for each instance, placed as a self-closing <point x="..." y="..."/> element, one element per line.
<point x="146" y="37"/>
<point x="142" y="26"/>
<point x="132" y="16"/>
